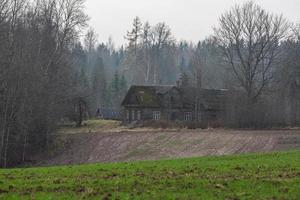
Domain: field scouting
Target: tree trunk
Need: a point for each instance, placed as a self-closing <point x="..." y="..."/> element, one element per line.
<point x="4" y="127"/>
<point x="80" y="114"/>
<point x="24" y="148"/>
<point x="6" y="148"/>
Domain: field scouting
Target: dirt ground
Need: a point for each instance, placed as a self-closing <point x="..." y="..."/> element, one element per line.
<point x="165" y="144"/>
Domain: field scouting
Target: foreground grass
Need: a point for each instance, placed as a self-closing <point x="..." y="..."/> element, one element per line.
<point x="269" y="176"/>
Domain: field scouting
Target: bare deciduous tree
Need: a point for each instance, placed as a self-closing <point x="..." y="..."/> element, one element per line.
<point x="249" y="38"/>
<point x="90" y="40"/>
<point x="133" y="36"/>
<point x="161" y="37"/>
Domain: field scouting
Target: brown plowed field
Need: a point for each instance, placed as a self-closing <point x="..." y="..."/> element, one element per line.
<point x="165" y="144"/>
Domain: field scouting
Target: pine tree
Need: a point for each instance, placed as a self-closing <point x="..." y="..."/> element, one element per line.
<point x="123" y="83"/>
<point x="134" y="35"/>
<point x="83" y="78"/>
<point x="115" y="90"/>
<point x="99" y="83"/>
<point x="182" y="64"/>
<point x="116" y="83"/>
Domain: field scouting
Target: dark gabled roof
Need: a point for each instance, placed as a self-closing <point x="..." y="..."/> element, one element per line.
<point x="209" y="99"/>
<point x="146" y="96"/>
<point x="163" y="89"/>
<point x="151" y="97"/>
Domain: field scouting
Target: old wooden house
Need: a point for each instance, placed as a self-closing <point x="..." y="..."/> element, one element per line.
<point x="162" y="102"/>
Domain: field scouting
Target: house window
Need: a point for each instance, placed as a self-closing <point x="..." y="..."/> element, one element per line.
<point x="139" y="115"/>
<point x="156" y="115"/>
<point x="127" y="115"/>
<point x="187" y="116"/>
<point x="133" y="115"/>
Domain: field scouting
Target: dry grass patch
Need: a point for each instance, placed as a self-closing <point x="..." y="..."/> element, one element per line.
<point x="93" y="126"/>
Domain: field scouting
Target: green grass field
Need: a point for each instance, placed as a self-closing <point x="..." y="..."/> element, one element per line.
<point x="255" y="176"/>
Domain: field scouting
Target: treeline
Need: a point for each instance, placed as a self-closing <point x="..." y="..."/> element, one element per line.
<point x="39" y="78"/>
<point x="48" y="76"/>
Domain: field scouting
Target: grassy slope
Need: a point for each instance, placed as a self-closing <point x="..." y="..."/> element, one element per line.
<point x="269" y="176"/>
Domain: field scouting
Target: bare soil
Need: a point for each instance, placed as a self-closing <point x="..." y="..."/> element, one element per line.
<point x="164" y="144"/>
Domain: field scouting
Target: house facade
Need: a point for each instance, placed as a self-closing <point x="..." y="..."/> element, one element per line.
<point x="144" y="103"/>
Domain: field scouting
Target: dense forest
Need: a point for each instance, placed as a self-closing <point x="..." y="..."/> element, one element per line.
<point x="53" y="69"/>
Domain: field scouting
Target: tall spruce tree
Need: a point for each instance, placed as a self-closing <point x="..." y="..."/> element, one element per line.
<point x="99" y="83"/>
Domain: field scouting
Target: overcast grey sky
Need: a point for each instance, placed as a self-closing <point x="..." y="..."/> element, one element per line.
<point x="189" y="19"/>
